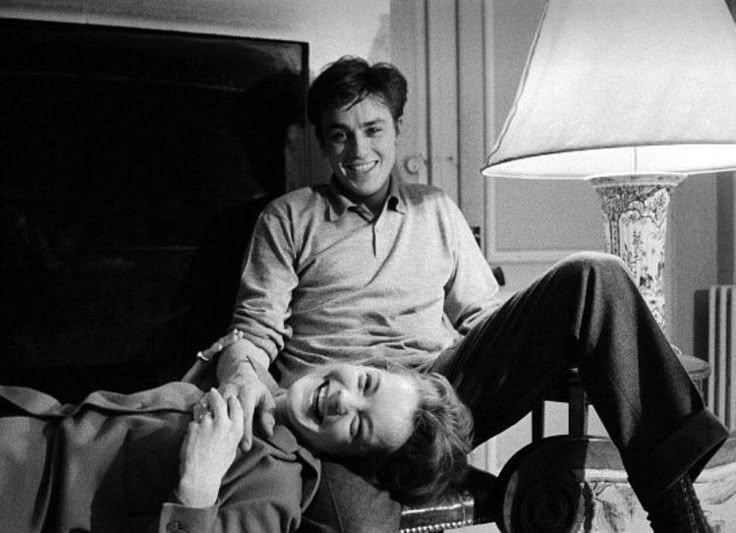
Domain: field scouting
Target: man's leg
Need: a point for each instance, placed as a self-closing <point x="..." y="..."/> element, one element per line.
<point x="587" y="312"/>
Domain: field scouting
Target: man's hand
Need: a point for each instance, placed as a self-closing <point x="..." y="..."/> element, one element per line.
<point x="255" y="398"/>
<point x="209" y="449"/>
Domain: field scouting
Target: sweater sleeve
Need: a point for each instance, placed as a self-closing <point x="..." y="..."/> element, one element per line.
<point x="268" y="278"/>
<point x="472" y="292"/>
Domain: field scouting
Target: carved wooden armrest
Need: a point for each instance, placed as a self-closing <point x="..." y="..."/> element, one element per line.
<point x="473" y="501"/>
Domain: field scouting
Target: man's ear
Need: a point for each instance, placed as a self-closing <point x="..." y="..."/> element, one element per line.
<point x="398" y="124"/>
<point x="320" y="140"/>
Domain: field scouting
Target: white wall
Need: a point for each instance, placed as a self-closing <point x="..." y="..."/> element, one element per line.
<point x="331" y="27"/>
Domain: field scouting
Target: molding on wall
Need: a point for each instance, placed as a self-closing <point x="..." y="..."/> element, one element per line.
<point x="471" y="111"/>
<point x="442" y="70"/>
<point x="409" y="54"/>
<point x="726" y="228"/>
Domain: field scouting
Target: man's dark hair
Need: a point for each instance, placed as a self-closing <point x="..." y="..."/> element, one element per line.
<point x="348" y="81"/>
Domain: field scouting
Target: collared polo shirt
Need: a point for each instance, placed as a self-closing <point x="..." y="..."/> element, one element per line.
<point x="324" y="280"/>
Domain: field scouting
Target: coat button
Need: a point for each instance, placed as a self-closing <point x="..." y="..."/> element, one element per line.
<point x="175" y="527"/>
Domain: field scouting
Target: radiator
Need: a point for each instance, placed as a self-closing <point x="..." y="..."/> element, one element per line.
<point x="721" y="386"/>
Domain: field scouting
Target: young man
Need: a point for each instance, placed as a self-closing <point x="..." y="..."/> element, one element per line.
<point x="368" y="267"/>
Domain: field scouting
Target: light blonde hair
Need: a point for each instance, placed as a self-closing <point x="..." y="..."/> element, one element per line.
<point x="435" y="455"/>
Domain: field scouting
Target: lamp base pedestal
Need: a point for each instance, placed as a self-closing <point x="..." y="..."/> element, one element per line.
<point x="635" y="221"/>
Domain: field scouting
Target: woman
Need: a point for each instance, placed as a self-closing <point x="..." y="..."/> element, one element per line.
<point x="168" y="459"/>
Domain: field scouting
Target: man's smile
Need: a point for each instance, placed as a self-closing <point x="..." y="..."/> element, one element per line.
<point x="361" y="166"/>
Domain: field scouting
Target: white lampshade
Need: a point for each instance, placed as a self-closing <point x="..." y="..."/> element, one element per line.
<point x="624" y="88"/>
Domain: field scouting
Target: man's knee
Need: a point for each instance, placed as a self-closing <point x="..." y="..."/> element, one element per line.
<point x="586" y="277"/>
<point x="602" y="266"/>
<point x="597" y="261"/>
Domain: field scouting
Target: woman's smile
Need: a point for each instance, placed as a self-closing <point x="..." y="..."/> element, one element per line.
<point x="319" y="401"/>
<point x="347" y="409"/>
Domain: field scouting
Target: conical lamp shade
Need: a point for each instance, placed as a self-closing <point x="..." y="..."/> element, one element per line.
<point x="624" y="87"/>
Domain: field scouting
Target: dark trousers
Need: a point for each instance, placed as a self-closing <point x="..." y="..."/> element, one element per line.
<point x="587" y="312"/>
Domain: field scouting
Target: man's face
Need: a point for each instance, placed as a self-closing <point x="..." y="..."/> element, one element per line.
<point x="348" y="411"/>
<point x="360" y="143"/>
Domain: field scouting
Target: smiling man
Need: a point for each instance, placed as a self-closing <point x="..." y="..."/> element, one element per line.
<point x="364" y="267"/>
<point x="367" y="267"/>
<point x="359" y="142"/>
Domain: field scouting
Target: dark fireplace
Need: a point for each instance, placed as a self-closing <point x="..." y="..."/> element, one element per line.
<point x="134" y="163"/>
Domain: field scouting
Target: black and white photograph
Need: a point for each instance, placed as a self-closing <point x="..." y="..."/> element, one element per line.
<point x="368" y="266"/>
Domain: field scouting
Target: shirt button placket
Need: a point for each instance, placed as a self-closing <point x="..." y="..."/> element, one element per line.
<point x="376" y="242"/>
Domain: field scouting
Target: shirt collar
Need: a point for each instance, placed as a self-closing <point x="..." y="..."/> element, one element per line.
<point x="339" y="203"/>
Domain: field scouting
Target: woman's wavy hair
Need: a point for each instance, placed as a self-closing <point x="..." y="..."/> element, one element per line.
<point x="435" y="455"/>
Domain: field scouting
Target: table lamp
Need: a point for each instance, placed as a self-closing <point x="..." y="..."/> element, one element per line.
<point x="634" y="96"/>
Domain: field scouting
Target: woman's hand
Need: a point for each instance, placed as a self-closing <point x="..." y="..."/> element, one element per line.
<point x="209" y="448"/>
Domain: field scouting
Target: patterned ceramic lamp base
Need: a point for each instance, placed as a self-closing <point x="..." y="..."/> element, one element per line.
<point x="635" y="219"/>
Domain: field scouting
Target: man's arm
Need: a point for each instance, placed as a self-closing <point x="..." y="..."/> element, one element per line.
<point x="258" y="325"/>
<point x="238" y="376"/>
<point x="238" y="356"/>
<point x="259" y="315"/>
<point x="264" y="296"/>
<point x="473" y="291"/>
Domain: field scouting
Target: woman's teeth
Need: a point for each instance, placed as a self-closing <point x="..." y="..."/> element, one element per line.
<point x="318" y="403"/>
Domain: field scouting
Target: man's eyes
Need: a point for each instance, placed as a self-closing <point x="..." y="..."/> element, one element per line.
<point x="337" y="136"/>
<point x="341" y="136"/>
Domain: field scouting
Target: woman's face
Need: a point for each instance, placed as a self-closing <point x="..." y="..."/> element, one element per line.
<point x="348" y="410"/>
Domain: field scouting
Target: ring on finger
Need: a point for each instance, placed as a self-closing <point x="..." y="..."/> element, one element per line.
<point x="200" y="411"/>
